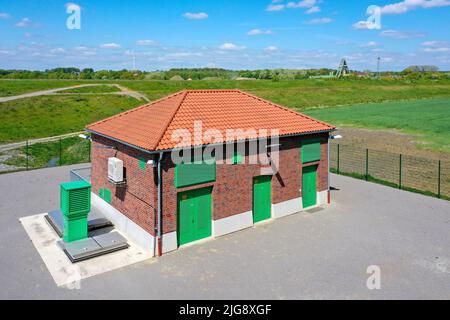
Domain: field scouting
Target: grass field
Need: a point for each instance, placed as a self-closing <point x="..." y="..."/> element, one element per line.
<point x="67" y="151"/>
<point x="47" y="116"/>
<point x="429" y="119"/>
<point x="299" y="94"/>
<point x="58" y="114"/>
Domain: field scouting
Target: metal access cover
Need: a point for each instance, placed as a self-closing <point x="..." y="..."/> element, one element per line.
<point x="111" y="241"/>
<point x="81" y="250"/>
<point x="95" y="221"/>
<point x="55" y="219"/>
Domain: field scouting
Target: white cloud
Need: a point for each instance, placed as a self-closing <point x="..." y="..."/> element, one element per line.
<point x="436" y="46"/>
<point x="408" y="5"/>
<point x="314" y="9"/>
<point x="439" y="49"/>
<point x="370" y="44"/>
<point x="196" y="16"/>
<point x="57" y="50"/>
<point x="302" y="4"/>
<point x="362" y="25"/>
<point x="255" y="32"/>
<point x="23" y="23"/>
<point x="4" y="15"/>
<point x="111" y="45"/>
<point x="146" y="42"/>
<point x="271" y="49"/>
<point x="401" y="34"/>
<point x="230" y="46"/>
<point x="275" y="7"/>
<point x="319" y="21"/>
<point x="434" y="43"/>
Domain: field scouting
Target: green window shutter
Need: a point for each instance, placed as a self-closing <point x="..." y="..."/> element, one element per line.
<point x="188" y="174"/>
<point x="107" y="195"/>
<point x="310" y="151"/>
<point x="100" y="193"/>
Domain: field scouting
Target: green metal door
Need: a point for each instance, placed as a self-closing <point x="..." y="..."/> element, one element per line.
<point x="194" y="215"/>
<point x="309" y="186"/>
<point x="261" y="198"/>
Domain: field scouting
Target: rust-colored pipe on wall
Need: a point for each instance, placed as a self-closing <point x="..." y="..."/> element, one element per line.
<point x="159" y="235"/>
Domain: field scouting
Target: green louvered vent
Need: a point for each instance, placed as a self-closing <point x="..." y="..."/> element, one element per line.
<point x="188" y="174"/>
<point x="75" y="198"/>
<point x="78" y="200"/>
<point x="310" y="151"/>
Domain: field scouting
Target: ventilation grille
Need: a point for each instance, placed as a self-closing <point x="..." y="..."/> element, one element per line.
<point x="79" y="200"/>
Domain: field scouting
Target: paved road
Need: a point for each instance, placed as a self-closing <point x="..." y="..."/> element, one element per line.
<point x="123" y="91"/>
<point x="322" y="255"/>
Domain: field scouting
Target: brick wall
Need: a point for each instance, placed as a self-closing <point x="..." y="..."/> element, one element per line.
<point x="138" y="199"/>
<point x="232" y="191"/>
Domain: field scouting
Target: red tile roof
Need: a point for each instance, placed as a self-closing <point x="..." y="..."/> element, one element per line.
<point x="151" y="126"/>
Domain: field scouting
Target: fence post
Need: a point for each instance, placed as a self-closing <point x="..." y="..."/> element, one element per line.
<point x="439" y="179"/>
<point x="400" y="173"/>
<point x="60" y="151"/>
<point x="89" y="150"/>
<point x="338" y="151"/>
<point x="26" y="153"/>
<point x="367" y="164"/>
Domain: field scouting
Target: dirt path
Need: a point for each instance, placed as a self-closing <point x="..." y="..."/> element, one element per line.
<point x="123" y="91"/>
<point x="43" y="92"/>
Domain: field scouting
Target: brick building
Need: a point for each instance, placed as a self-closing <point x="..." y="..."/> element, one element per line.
<point x="204" y="163"/>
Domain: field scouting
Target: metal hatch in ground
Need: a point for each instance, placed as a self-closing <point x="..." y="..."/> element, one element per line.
<point x="194" y="218"/>
<point x="94" y="246"/>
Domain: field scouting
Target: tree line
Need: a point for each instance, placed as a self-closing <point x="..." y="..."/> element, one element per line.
<point x="71" y="73"/>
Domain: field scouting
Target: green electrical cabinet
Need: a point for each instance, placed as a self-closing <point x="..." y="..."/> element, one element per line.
<point x="75" y="202"/>
<point x="309" y="186"/>
<point x="261" y="198"/>
<point x="194" y="215"/>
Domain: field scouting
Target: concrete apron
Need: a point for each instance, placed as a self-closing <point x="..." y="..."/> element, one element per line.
<point x="64" y="272"/>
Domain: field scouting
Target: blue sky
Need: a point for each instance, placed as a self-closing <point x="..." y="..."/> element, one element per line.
<point x="158" y="34"/>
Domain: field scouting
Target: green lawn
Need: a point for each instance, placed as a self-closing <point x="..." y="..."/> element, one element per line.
<point x="55" y="115"/>
<point x="67" y="151"/>
<point x="428" y="118"/>
<point x="299" y="94"/>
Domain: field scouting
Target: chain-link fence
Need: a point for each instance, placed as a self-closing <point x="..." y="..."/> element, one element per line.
<point x="426" y="176"/>
<point x="29" y="155"/>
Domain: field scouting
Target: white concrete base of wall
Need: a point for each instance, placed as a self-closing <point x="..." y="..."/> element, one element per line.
<point x="322" y="197"/>
<point x="169" y="242"/>
<point x="286" y="208"/>
<point x="232" y="224"/>
<point x="130" y="229"/>
<point x="220" y="227"/>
